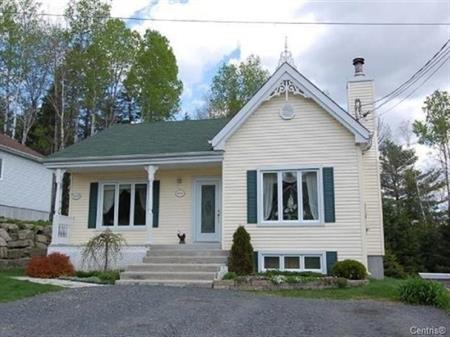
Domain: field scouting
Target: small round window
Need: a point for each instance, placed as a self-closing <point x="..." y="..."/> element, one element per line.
<point x="287" y="111"/>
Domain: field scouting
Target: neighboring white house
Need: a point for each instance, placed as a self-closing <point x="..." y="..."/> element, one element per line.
<point x="293" y="167"/>
<point x="25" y="184"/>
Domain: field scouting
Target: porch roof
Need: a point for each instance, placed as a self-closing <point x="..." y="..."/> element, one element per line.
<point x="129" y="140"/>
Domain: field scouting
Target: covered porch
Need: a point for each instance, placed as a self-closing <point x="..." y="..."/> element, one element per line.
<point x="148" y="204"/>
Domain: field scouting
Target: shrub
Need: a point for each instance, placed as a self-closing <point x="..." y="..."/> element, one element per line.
<point x="53" y="265"/>
<point x="110" y="276"/>
<point x="241" y="255"/>
<point x="419" y="291"/>
<point x="61" y="264"/>
<point x="350" y="269"/>
<point x="392" y="268"/>
<point x="39" y="266"/>
<point x="103" y="249"/>
<point x="229" y="276"/>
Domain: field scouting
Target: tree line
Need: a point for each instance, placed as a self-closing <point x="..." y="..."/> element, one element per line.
<point x="416" y="206"/>
<point x="63" y="81"/>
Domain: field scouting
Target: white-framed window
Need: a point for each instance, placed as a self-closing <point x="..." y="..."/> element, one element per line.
<point x="122" y="204"/>
<point x="290" y="196"/>
<point x="296" y="262"/>
<point x="1" y="168"/>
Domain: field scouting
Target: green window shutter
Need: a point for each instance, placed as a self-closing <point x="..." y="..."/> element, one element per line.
<point x="328" y="194"/>
<point x="255" y="261"/>
<point x="251" y="197"/>
<point x="331" y="261"/>
<point x="156" y="203"/>
<point x="93" y="195"/>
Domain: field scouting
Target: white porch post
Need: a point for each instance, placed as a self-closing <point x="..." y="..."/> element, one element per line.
<point x="151" y="170"/>
<point x="59" y="174"/>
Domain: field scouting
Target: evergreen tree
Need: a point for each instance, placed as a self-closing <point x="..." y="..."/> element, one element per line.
<point x="410" y="207"/>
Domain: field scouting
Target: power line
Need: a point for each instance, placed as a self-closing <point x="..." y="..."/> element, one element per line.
<point x="418" y="87"/>
<point x="429" y="63"/>
<point x="260" y="22"/>
<point x="420" y="75"/>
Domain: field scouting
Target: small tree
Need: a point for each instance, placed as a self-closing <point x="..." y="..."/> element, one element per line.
<point x="241" y="255"/>
<point x="103" y="248"/>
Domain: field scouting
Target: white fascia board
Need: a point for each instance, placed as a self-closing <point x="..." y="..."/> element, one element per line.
<point x="211" y="157"/>
<point x="21" y="154"/>
<point x="285" y="71"/>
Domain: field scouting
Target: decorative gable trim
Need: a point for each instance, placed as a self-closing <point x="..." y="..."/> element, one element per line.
<point x="288" y="78"/>
<point x="286" y="86"/>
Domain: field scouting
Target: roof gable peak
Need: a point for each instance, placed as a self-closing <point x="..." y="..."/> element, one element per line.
<point x="288" y="80"/>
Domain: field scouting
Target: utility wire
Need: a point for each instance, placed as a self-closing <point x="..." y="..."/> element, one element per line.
<point x="423" y="68"/>
<point x="418" y="87"/>
<point x="259" y="22"/>
<point x="403" y="88"/>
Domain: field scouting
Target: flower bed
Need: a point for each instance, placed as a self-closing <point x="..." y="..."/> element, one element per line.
<point x="277" y="282"/>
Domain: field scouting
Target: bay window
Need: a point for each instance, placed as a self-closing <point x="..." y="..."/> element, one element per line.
<point x="123" y="204"/>
<point x="290" y="196"/>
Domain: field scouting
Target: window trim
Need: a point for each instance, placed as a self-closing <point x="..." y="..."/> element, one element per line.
<point x="115" y="226"/>
<point x="301" y="254"/>
<point x="287" y="223"/>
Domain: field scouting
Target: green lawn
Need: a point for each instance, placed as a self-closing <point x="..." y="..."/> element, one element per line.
<point x="11" y="289"/>
<point x="376" y="289"/>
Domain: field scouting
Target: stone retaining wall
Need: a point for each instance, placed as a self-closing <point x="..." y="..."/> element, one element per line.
<point x="262" y="283"/>
<point x="18" y="242"/>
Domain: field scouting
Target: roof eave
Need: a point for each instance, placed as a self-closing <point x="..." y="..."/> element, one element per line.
<point x="135" y="160"/>
<point x="21" y="153"/>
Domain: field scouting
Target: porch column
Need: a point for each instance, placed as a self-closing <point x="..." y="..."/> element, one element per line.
<point x="59" y="174"/>
<point x="151" y="170"/>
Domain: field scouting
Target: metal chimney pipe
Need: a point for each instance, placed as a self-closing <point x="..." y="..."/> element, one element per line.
<point x="358" y="63"/>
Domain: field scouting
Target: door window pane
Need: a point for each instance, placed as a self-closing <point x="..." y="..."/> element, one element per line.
<point x="124" y="205"/>
<point x="291" y="262"/>
<point x="140" y="200"/>
<point x="310" y="196"/>
<point x="312" y="262"/>
<point x="109" y="195"/>
<point x="271" y="262"/>
<point x="270" y="196"/>
<point x="208" y="211"/>
<point x="290" y="196"/>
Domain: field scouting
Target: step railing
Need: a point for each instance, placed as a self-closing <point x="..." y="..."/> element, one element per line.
<point x="61" y="229"/>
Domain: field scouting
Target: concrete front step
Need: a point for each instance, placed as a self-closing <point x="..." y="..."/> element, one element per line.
<point x="173" y="283"/>
<point x="181" y="267"/>
<point x="187" y="252"/>
<point x="185" y="259"/>
<point x="154" y="275"/>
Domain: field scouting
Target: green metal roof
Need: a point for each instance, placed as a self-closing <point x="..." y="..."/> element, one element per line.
<point x="146" y="139"/>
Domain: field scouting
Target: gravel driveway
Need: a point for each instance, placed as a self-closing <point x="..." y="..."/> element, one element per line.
<point x="166" y="311"/>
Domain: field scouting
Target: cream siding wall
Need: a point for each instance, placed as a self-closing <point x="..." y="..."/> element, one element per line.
<point x="364" y="90"/>
<point x="174" y="213"/>
<point x="312" y="138"/>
